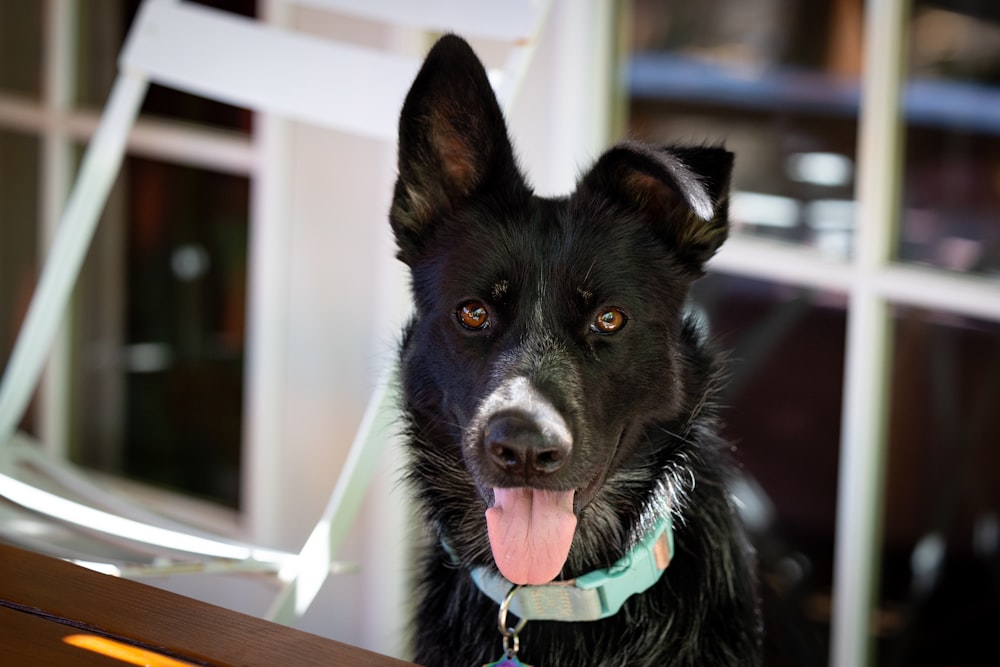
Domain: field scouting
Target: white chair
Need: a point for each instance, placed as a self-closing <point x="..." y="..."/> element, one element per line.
<point x="269" y="70"/>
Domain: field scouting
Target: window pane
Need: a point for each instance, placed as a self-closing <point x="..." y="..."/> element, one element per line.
<point x="782" y="410"/>
<point x="18" y="236"/>
<point x="952" y="180"/>
<point x="21" y="47"/>
<point x="778" y="82"/>
<point x="940" y="601"/>
<point x="171" y="279"/>
<point x="100" y="33"/>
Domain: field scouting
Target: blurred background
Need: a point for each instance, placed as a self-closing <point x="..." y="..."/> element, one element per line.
<point x="147" y="388"/>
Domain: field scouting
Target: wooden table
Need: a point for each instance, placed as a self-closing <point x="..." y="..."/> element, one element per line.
<point x="54" y="613"/>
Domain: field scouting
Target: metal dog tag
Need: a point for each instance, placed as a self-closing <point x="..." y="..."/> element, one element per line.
<point x="510" y="646"/>
<point x="507" y="661"/>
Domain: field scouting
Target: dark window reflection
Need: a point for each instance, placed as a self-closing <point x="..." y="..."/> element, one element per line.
<point x="178" y="359"/>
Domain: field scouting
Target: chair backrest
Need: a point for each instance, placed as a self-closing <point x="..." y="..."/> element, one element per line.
<point x="266" y="68"/>
<point x="306" y="78"/>
<point x="508" y="21"/>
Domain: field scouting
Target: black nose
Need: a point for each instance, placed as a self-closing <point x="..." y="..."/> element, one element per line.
<point x="521" y="447"/>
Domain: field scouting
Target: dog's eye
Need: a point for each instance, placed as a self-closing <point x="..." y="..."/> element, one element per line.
<point x="609" y="321"/>
<point x="473" y="315"/>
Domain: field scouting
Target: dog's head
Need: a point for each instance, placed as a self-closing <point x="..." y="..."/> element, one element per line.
<point x="546" y="337"/>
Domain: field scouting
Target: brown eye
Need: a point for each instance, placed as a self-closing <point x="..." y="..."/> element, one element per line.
<point x="608" y="321"/>
<point x="473" y="315"/>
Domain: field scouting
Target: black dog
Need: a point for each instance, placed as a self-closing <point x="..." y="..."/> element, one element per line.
<point x="560" y="397"/>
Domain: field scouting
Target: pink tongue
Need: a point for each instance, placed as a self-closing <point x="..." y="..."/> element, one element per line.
<point x="530" y="533"/>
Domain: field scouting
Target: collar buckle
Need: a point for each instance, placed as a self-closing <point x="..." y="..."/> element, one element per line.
<point x="635" y="572"/>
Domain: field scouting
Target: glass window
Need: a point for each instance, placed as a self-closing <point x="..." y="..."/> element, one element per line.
<point x="778" y="82"/>
<point x="951" y="213"/>
<point x="941" y="533"/>
<point x="157" y="319"/>
<point x="21" y="48"/>
<point x="100" y="33"/>
<point x="782" y="408"/>
<point x="18" y="236"/>
<point x="160" y="308"/>
<point x="176" y="364"/>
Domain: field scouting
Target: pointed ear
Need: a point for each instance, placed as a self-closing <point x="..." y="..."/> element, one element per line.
<point x="681" y="191"/>
<point x="452" y="141"/>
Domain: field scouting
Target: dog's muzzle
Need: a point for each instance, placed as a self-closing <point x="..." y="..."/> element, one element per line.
<point x="524" y="439"/>
<point x="522" y="442"/>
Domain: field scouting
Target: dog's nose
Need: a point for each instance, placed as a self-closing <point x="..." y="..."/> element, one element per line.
<point x="519" y="446"/>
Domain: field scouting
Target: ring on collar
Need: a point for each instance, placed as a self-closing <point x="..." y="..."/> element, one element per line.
<point x="508" y="632"/>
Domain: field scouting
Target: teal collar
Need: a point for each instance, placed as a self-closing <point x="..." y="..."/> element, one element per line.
<point x="595" y="595"/>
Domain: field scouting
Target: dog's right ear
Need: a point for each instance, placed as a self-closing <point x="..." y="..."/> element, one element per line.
<point x="452" y="141"/>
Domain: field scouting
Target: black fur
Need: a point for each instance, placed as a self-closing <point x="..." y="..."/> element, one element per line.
<point x="639" y="403"/>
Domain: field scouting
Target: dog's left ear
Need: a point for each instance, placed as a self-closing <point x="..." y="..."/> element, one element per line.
<point x="452" y="142"/>
<point x="681" y="191"/>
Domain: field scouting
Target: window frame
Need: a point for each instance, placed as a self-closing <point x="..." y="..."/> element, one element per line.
<point x="873" y="282"/>
<point x="61" y="125"/>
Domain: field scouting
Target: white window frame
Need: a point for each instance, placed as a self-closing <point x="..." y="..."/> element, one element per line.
<point x="873" y="283"/>
<point x="61" y="126"/>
